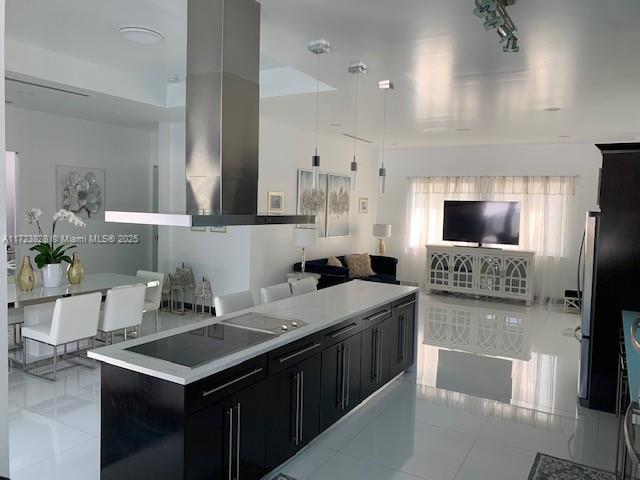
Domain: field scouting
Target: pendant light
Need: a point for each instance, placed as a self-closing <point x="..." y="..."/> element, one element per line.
<point x="317" y="47"/>
<point x="356" y="69"/>
<point x="385" y="85"/>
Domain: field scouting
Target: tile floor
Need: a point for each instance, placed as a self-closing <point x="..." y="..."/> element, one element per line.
<point x="494" y="384"/>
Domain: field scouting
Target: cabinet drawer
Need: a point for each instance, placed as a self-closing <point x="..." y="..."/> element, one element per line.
<point x="376" y="316"/>
<point x="409" y="300"/>
<point x="294" y="353"/>
<point x="341" y="332"/>
<point x="209" y="390"/>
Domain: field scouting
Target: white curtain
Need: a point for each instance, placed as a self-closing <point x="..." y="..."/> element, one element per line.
<point x="545" y="203"/>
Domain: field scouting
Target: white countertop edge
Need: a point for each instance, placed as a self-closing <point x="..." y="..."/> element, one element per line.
<point x="116" y="355"/>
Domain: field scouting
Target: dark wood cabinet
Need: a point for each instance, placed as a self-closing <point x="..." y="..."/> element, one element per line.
<point x="226" y="440"/>
<point x="402" y="335"/>
<point x="340" y="380"/>
<point x="376" y="357"/>
<point x="293" y="409"/>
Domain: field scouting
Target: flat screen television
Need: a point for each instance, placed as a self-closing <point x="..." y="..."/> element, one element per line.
<point x="482" y="222"/>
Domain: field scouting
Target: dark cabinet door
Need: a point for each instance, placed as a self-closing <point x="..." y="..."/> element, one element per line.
<point x="209" y="442"/>
<point x="226" y="440"/>
<point x="293" y="410"/>
<point x="402" y="338"/>
<point x="375" y="365"/>
<point x="340" y="380"/>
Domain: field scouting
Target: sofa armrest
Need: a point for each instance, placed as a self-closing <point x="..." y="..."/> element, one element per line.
<point x="384" y="265"/>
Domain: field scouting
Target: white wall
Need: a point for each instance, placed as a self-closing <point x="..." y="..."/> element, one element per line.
<point x="4" y="388"/>
<point x="43" y="141"/>
<point x="250" y="257"/>
<point x="582" y="160"/>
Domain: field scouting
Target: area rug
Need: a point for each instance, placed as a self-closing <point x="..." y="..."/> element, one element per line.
<point x="546" y="467"/>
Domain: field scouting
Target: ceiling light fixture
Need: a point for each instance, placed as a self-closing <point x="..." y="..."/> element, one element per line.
<point x="385" y="85"/>
<point x="317" y="47"/>
<point x="141" y="35"/>
<point x="553" y="109"/>
<point x="356" y="69"/>
<point x="496" y="17"/>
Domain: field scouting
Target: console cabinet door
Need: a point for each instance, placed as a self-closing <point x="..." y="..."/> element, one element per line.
<point x="226" y="440"/>
<point x="402" y="337"/>
<point x="293" y="409"/>
<point x="340" y="380"/>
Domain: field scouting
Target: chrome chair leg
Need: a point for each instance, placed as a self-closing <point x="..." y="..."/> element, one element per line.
<point x="55" y="362"/>
<point x="157" y="321"/>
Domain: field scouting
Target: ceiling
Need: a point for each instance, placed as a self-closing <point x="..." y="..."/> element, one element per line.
<point x="454" y="85"/>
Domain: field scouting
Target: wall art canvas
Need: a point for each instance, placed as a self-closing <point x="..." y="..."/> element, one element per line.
<point x="80" y="190"/>
<point x="338" y="205"/>
<point x="313" y="202"/>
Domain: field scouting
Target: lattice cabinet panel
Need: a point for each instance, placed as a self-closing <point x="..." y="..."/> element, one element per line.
<point x="481" y="271"/>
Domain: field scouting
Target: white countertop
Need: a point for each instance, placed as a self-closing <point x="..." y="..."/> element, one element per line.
<point x="94" y="282"/>
<point x="319" y="310"/>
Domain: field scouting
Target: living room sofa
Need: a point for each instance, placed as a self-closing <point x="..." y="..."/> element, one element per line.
<point x="385" y="268"/>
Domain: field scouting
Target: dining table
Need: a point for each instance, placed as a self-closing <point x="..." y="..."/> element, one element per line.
<point x="37" y="305"/>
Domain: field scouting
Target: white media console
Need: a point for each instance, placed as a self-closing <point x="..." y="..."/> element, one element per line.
<point x="481" y="271"/>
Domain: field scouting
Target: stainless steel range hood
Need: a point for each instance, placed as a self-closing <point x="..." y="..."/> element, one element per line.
<point x="223" y="102"/>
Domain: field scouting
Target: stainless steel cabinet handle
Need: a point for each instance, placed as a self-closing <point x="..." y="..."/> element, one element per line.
<point x="238" y="444"/>
<point x="301" y="405"/>
<point x="340" y="376"/>
<point x="348" y="374"/>
<point x="230" y="413"/>
<point x="378" y="315"/>
<point x="344" y="330"/>
<point x="302" y="351"/>
<point x="232" y="382"/>
<point x="404" y="305"/>
<point x="380" y="339"/>
<point x="374" y="362"/>
<point x="628" y="438"/>
<point x="401" y="338"/>
<point x="296" y="438"/>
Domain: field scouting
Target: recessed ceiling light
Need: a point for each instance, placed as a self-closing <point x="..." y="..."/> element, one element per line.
<point x="173" y="79"/>
<point x="564" y="136"/>
<point x="553" y="109"/>
<point x="141" y="35"/>
<point x="463" y="129"/>
<point x="335" y="124"/>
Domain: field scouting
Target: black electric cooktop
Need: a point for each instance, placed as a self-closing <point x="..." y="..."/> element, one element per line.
<point x="197" y="347"/>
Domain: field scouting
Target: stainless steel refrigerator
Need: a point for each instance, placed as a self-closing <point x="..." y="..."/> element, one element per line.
<point x="586" y="287"/>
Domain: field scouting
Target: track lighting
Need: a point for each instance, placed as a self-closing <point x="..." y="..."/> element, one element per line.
<point x="494" y="13"/>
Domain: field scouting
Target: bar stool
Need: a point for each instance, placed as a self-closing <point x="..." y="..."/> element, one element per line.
<point x="203" y="294"/>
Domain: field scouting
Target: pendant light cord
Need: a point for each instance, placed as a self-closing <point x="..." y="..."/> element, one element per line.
<point x="355" y="121"/>
<point x="317" y="98"/>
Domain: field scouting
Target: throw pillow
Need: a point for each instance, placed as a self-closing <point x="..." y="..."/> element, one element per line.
<point x="334" y="262"/>
<point x="359" y="265"/>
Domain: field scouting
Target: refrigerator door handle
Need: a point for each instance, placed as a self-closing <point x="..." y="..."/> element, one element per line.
<point x="634" y="334"/>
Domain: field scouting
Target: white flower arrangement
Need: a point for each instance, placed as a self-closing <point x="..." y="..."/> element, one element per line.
<point x="48" y="253"/>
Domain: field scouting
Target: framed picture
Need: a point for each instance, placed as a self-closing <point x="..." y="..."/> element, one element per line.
<point x="313" y="202"/>
<point x="218" y="229"/>
<point x="363" y="205"/>
<point x="338" y="205"/>
<point x="275" y="202"/>
<point x="81" y="190"/>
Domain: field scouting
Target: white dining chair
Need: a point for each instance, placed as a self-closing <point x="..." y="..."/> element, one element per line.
<point x="74" y="319"/>
<point x="275" y="292"/>
<point x="233" y="302"/>
<point x="122" y="310"/>
<point x="153" y="295"/>
<point x="305" y="285"/>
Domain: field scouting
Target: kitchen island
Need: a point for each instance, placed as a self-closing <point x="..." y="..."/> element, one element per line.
<point x="233" y="397"/>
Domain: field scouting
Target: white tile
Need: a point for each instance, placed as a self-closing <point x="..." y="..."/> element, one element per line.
<point x="344" y="467"/>
<point x="307" y="462"/>
<point x="33" y="438"/>
<point x="397" y="441"/>
<point x="336" y="437"/>
<point x="77" y="463"/>
<point x="494" y="461"/>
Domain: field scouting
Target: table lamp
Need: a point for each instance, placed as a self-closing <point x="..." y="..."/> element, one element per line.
<point x="305" y="237"/>
<point x="381" y="230"/>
